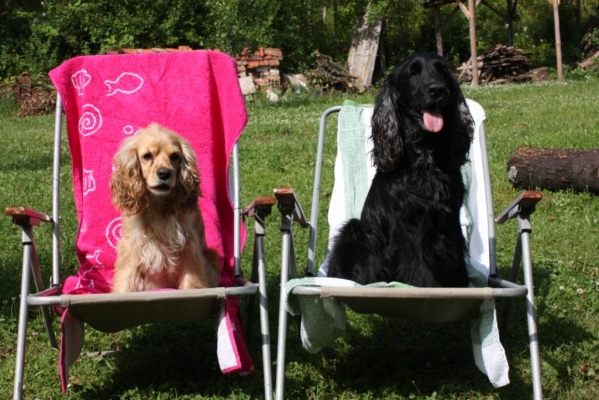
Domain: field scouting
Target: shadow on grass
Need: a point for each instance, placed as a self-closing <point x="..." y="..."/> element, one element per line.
<point x="380" y="356"/>
<point x="376" y="355"/>
<point x="10" y="273"/>
<point x="397" y="357"/>
<point x="556" y="334"/>
<point x="11" y="261"/>
<point x="172" y="358"/>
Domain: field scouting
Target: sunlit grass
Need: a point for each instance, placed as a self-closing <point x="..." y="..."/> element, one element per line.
<point x="377" y="358"/>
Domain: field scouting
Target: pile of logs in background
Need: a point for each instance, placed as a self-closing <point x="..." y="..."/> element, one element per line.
<point x="500" y="64"/>
<point x="35" y="97"/>
<point x="589" y="47"/>
<point x="327" y="75"/>
<point x="258" y="71"/>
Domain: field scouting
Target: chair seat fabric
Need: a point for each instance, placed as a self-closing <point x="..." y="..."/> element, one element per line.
<point x="115" y="312"/>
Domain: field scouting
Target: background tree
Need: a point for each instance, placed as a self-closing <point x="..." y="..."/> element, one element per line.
<point x="37" y="36"/>
<point x="15" y="29"/>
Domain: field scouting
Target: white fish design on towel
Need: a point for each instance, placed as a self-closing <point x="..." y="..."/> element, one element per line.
<point x="126" y="83"/>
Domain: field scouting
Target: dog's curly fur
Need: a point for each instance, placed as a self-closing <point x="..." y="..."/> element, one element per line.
<point x="409" y="230"/>
<point x="156" y="185"/>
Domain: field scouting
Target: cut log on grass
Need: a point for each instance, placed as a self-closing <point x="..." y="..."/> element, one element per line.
<point x="554" y="169"/>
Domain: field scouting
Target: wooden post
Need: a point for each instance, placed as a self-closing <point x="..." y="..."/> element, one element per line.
<point x="558" y="39"/>
<point x="363" y="50"/>
<point x="438" y="30"/>
<point x="510" y="23"/>
<point x="471" y="17"/>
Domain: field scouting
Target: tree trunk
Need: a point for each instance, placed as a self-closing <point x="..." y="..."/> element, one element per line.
<point x="558" y="40"/>
<point x="439" y="30"/>
<point x="554" y="169"/>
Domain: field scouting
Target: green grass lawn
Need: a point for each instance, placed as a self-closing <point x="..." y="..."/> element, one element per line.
<point x="377" y="358"/>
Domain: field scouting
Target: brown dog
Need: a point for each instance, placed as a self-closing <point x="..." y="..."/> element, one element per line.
<point x="156" y="185"/>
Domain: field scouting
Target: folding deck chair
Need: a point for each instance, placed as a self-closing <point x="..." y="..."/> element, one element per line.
<point x="107" y="98"/>
<point x="321" y="301"/>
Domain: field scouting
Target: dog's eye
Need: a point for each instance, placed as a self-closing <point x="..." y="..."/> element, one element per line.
<point x="175" y="157"/>
<point x="415" y="69"/>
<point x="441" y="69"/>
<point x="147" y="156"/>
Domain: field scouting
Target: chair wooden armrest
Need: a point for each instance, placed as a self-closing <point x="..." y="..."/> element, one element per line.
<point x="288" y="201"/>
<point x="262" y="205"/>
<point x="525" y="202"/>
<point x="26" y="216"/>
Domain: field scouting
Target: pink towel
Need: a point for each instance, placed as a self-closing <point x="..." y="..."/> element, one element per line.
<point x="108" y="98"/>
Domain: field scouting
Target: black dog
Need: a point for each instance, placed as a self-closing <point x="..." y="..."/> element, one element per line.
<point x="409" y="230"/>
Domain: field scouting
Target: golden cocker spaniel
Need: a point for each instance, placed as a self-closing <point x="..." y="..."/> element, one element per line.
<point x="156" y="185"/>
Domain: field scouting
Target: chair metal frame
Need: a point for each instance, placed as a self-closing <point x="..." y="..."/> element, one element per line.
<point x="520" y="209"/>
<point x="27" y="219"/>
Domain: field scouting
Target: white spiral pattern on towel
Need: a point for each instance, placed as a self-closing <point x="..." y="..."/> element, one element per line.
<point x="113" y="231"/>
<point x="130" y="130"/>
<point x="90" y="120"/>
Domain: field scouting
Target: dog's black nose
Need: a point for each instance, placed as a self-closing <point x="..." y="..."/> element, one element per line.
<point x="436" y="91"/>
<point x="163" y="174"/>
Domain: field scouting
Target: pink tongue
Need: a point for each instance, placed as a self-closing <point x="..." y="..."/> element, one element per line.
<point x="432" y="121"/>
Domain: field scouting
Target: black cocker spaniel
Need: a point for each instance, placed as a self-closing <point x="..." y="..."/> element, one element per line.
<point x="409" y="230"/>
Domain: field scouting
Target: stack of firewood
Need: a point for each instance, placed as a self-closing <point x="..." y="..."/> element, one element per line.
<point x="259" y="68"/>
<point x="326" y="75"/>
<point x="35" y="97"/>
<point x="588" y="43"/>
<point x="500" y="64"/>
<point x="589" y="47"/>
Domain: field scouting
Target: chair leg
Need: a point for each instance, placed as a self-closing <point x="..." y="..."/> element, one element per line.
<point x="264" y="325"/>
<point x="282" y="337"/>
<point x="23" y="314"/>
<point x="251" y="300"/>
<point x="39" y="286"/>
<point x="513" y="278"/>
<point x="533" y="337"/>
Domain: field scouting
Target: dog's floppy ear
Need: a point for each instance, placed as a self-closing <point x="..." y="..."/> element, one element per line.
<point x="127" y="185"/>
<point x="188" y="183"/>
<point x="462" y="122"/>
<point x="386" y="126"/>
